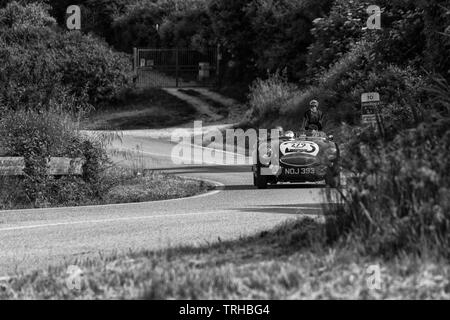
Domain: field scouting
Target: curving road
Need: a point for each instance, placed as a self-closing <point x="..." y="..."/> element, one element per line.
<point x="32" y="239"/>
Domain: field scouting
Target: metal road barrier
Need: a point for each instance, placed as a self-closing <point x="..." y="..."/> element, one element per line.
<point x="14" y="166"/>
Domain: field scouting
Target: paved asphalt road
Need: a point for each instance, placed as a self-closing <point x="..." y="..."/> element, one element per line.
<point x="31" y="239"/>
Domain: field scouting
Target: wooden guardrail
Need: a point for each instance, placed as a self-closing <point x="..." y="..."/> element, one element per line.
<point x="14" y="166"/>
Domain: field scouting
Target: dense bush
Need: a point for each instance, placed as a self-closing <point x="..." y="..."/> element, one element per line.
<point x="436" y="16"/>
<point x="162" y="23"/>
<point x="304" y="36"/>
<point x="266" y="35"/>
<point x="231" y="25"/>
<point x="335" y="34"/>
<point x="339" y="92"/>
<point x="397" y="197"/>
<point x="282" y="31"/>
<point x="42" y="66"/>
<point x="412" y="34"/>
<point x="189" y="29"/>
<point x="38" y="136"/>
<point x="256" y="35"/>
<point x="15" y="15"/>
<point x="48" y="77"/>
<point x="96" y="15"/>
<point x="402" y="89"/>
<point x="137" y="27"/>
<point x="89" y="66"/>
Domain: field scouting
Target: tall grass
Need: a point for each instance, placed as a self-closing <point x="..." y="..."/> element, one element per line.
<point x="268" y="97"/>
<point x="439" y="90"/>
<point x="397" y="197"/>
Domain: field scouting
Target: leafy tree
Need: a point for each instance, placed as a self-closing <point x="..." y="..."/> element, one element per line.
<point x="282" y="33"/>
<point x="42" y="66"/>
<point x="15" y="15"/>
<point x="137" y="27"/>
<point x="335" y="34"/>
<point x="191" y="29"/>
<point x="436" y="24"/>
<point x="163" y="23"/>
<point x="232" y="25"/>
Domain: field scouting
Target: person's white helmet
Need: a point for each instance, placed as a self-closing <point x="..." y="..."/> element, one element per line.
<point x="314" y="103"/>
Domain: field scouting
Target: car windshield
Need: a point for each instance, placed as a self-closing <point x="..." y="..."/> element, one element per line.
<point x="312" y="134"/>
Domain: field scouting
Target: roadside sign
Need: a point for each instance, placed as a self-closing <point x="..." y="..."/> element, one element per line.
<point x="369" y="118"/>
<point x="370" y="108"/>
<point x="370" y="97"/>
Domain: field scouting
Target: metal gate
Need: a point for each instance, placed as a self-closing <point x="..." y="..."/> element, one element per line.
<point x="176" y="67"/>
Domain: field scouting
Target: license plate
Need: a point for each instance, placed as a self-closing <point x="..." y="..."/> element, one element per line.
<point x="299" y="171"/>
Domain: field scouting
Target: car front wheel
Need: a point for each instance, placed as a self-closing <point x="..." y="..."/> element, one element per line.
<point x="259" y="181"/>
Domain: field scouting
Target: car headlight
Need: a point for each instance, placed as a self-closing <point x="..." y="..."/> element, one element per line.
<point x="265" y="154"/>
<point x="289" y="134"/>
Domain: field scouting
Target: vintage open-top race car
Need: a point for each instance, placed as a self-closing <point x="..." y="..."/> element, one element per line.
<point x="308" y="156"/>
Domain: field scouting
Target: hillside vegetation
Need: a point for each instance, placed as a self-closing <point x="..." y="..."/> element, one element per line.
<point x="397" y="196"/>
<point x="50" y="79"/>
<point x="292" y="51"/>
<point x="395" y="205"/>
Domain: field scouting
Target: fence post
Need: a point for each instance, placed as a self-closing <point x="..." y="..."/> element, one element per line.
<point x="218" y="58"/>
<point x="135" y="60"/>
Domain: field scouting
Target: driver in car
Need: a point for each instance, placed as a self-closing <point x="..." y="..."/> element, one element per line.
<point x="313" y="118"/>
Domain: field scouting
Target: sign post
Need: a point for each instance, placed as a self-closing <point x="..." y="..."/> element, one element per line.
<point x="370" y="108"/>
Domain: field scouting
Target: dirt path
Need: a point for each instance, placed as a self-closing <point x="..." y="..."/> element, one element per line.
<point x="227" y="102"/>
<point x="202" y="107"/>
<point x="205" y="104"/>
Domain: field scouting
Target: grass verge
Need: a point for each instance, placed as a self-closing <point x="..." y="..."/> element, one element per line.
<point x="151" y="186"/>
<point x="141" y="109"/>
<point x="117" y="185"/>
<point x="290" y="262"/>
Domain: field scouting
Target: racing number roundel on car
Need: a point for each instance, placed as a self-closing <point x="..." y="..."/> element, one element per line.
<point x="306" y="147"/>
